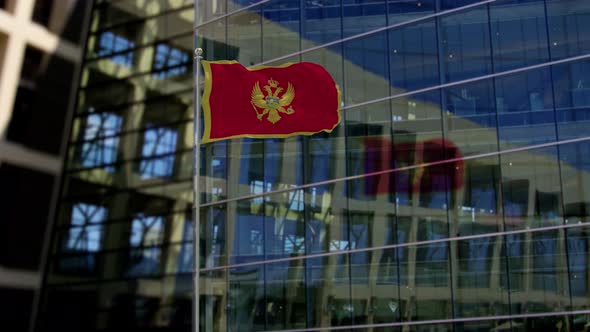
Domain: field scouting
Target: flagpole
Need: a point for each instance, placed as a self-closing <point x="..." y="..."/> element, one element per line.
<point x="196" y="189"/>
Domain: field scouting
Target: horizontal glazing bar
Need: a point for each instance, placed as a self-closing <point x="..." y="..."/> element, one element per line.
<point x="439" y="321"/>
<point x="399" y="169"/>
<point x="470" y="80"/>
<point x="400" y="245"/>
<point x="371" y="32"/>
<point x="196" y="26"/>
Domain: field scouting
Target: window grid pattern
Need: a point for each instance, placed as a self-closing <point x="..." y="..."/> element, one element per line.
<point x="492" y="242"/>
<point x="101" y="144"/>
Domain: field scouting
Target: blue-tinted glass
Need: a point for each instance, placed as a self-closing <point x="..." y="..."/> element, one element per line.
<point x="322" y="22"/>
<point x="363" y="15"/>
<point x="519" y="34"/>
<point x="146" y="233"/>
<point x="84" y="237"/>
<point x="413" y="57"/>
<point x="451" y="4"/>
<point x="513" y="249"/>
<point x="525" y="108"/>
<point x="569" y="27"/>
<point x="158" y="150"/>
<point x="86" y="231"/>
<point x="470" y="114"/>
<point x="479" y="211"/>
<point x="169" y="61"/>
<point x="365" y="69"/>
<point x="404" y="10"/>
<point x="465" y="44"/>
<point x="101" y="145"/>
<point x="112" y="43"/>
<point x="572" y="98"/>
<point x="545" y="262"/>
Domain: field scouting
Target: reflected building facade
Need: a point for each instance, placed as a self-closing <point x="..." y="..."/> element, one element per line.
<point x="478" y="107"/>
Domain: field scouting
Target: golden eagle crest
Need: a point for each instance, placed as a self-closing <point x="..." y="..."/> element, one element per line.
<point x="271" y="104"/>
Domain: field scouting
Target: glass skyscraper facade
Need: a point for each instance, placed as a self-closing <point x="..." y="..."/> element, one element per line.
<point x="454" y="195"/>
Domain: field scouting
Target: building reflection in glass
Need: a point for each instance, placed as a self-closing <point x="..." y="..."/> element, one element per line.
<point x="464" y="235"/>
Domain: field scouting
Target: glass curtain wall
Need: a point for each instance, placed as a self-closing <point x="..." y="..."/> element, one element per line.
<point x="481" y="109"/>
<point x="121" y="256"/>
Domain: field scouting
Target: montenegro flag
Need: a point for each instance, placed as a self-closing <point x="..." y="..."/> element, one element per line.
<point x="268" y="102"/>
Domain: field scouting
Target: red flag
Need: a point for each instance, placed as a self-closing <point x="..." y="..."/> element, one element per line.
<point x="264" y="102"/>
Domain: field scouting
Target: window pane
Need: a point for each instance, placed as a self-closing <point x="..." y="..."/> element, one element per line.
<point x="519" y="33"/>
<point x="465" y="45"/>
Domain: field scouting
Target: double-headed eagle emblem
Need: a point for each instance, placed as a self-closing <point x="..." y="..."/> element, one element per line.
<point x="271" y="104"/>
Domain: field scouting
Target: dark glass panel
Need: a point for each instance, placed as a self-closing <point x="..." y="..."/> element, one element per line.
<point x="525" y="108"/>
<point x="485" y="326"/>
<point x="214" y="300"/>
<point x="537" y="269"/>
<point x="328" y="291"/>
<point x="41" y="102"/>
<point x="413" y="57"/>
<point x="247" y="225"/>
<point x="285" y="236"/>
<point x="42" y="11"/>
<point x="280" y="28"/>
<point x="215" y="236"/>
<point x="578" y="251"/>
<point x="416" y="124"/>
<point x="17" y="305"/>
<point x="531" y="189"/>
<point x="119" y="92"/>
<point x="403" y="10"/>
<point x="246" y="306"/>
<point x="427" y="293"/>
<point x="569" y="28"/>
<point x="162" y="59"/>
<point x="25" y="197"/>
<point x="465" y="39"/>
<point x="478" y="208"/>
<point x="519" y="33"/>
<point x="452" y="4"/>
<point x="322" y="22"/>
<point x="575" y="164"/>
<point x="366" y="69"/>
<point x="480" y="270"/>
<point x="285" y="304"/>
<point x="332" y="60"/>
<point x="470" y="118"/>
<point x="213" y="41"/>
<point x="572" y="98"/>
<point x="369" y="150"/>
<point x="67" y="308"/>
<point x="362" y="16"/>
